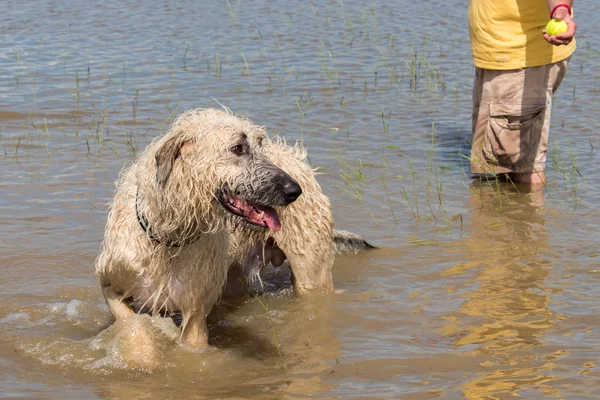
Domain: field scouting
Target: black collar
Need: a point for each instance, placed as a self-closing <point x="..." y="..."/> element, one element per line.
<point x="146" y="227"/>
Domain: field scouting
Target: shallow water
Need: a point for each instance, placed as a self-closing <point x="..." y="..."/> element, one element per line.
<point x="478" y="290"/>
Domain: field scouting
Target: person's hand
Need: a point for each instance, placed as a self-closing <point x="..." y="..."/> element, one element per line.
<point x="562" y="38"/>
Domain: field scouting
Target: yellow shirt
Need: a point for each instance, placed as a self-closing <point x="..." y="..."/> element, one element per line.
<point x="507" y="34"/>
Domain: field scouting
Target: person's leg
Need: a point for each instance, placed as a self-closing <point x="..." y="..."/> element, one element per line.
<point x="511" y="121"/>
<point x="479" y="125"/>
<point x="497" y="98"/>
<point x="548" y="78"/>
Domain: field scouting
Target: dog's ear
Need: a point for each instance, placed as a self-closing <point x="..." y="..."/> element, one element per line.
<point x="165" y="158"/>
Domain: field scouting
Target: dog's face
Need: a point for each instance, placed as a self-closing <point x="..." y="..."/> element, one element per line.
<point x="251" y="184"/>
<point x="221" y="155"/>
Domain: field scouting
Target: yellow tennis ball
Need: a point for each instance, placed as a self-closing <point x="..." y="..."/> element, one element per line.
<point x="556" y="27"/>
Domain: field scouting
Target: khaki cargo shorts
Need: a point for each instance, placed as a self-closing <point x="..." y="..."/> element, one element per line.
<point x="511" y="118"/>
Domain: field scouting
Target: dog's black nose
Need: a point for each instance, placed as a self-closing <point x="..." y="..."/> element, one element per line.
<point x="291" y="190"/>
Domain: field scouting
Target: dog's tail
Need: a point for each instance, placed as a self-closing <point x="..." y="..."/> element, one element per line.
<point x="348" y="242"/>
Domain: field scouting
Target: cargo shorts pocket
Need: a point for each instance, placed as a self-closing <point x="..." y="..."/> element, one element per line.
<point x="513" y="134"/>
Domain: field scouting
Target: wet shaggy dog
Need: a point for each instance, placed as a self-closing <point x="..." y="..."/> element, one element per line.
<point x="166" y="242"/>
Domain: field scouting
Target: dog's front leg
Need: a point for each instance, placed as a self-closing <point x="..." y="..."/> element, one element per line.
<point x="195" y="331"/>
<point x="114" y="300"/>
<point x="311" y="270"/>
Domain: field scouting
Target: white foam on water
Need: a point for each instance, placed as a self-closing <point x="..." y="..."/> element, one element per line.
<point x="74" y="309"/>
<point x="15" y="317"/>
<point x="58" y="307"/>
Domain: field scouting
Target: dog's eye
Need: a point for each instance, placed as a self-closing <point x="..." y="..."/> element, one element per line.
<point x="237" y="150"/>
<point x="260" y="141"/>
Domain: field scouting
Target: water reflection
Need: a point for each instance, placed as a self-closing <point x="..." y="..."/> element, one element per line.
<point x="505" y="318"/>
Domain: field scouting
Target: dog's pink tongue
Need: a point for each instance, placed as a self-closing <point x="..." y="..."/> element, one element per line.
<point x="265" y="215"/>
